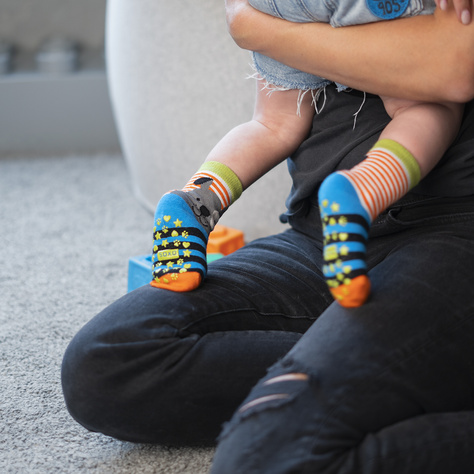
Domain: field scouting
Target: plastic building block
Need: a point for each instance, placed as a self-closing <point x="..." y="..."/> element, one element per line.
<point x="222" y="241"/>
<point x="140" y="269"/>
<point x="225" y="240"/>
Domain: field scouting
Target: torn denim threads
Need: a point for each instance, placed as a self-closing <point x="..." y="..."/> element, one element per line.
<point x="287" y="385"/>
<point x="339" y="13"/>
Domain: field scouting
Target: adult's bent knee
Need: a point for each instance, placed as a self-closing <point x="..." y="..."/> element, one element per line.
<point x="129" y="373"/>
<point x="91" y="395"/>
<point x="116" y="372"/>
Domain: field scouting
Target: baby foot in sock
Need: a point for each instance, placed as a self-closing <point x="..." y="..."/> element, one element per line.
<point x="345" y="230"/>
<point x="180" y="241"/>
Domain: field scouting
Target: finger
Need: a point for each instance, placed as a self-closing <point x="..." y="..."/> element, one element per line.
<point x="442" y="4"/>
<point x="463" y="11"/>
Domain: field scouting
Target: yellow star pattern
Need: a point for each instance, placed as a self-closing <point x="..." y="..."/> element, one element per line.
<point x="344" y="251"/>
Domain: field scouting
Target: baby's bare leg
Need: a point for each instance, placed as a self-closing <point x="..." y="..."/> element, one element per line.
<point x="184" y="218"/>
<point x="274" y="133"/>
<point x="425" y="129"/>
<point x="350" y="200"/>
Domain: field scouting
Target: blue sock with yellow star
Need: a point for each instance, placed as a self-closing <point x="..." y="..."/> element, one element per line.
<point x="349" y="201"/>
<point x="345" y="229"/>
<point x="183" y="221"/>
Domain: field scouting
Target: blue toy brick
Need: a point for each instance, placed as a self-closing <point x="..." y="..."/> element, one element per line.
<point x="140" y="270"/>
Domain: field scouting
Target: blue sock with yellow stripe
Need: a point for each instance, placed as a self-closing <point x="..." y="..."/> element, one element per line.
<point x="349" y="201"/>
<point x="183" y="221"/>
<point x="345" y="229"/>
<point x="179" y="250"/>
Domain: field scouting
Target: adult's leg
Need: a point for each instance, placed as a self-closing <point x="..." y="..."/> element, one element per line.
<point x="165" y="367"/>
<point x="159" y="366"/>
<point x="383" y="388"/>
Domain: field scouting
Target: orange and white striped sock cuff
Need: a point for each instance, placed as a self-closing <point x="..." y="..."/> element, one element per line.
<point x="225" y="183"/>
<point x="387" y="174"/>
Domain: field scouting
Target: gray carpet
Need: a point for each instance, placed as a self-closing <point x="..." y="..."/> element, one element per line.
<point x="67" y="228"/>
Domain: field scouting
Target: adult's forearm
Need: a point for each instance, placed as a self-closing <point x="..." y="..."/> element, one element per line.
<point x="424" y="57"/>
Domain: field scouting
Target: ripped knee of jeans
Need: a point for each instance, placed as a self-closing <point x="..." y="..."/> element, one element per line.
<point x="279" y="379"/>
<point x="281" y="387"/>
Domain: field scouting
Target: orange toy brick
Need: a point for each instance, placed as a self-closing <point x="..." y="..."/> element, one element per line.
<point x="225" y="240"/>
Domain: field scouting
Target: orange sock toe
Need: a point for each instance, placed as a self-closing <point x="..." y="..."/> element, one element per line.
<point x="353" y="294"/>
<point x="178" y="282"/>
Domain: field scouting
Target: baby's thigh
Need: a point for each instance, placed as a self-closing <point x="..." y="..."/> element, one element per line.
<point x="294" y="10"/>
<point x="394" y="105"/>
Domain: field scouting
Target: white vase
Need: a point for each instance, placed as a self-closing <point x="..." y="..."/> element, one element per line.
<point x="178" y="83"/>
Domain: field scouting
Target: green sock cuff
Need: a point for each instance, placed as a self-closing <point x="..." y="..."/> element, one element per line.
<point x="227" y="175"/>
<point x="407" y="159"/>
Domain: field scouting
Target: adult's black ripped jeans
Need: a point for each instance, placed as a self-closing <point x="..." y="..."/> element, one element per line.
<point x="384" y="388"/>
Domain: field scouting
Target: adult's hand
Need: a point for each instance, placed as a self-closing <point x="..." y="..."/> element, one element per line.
<point x="463" y="9"/>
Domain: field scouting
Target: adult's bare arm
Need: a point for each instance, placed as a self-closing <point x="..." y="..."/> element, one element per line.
<point x="427" y="57"/>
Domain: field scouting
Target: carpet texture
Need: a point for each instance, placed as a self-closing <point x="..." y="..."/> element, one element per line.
<point x="67" y="228"/>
